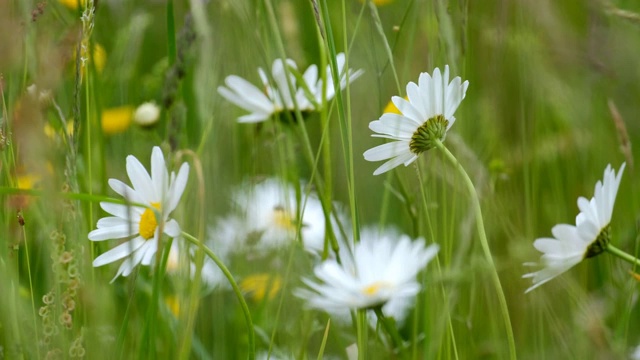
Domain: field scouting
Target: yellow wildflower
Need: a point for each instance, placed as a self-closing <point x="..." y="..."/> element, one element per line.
<point x="380" y="2"/>
<point x="173" y="303"/>
<point x="51" y="132"/>
<point x="116" y="120"/>
<point x="27" y="181"/>
<point x="256" y="286"/>
<point x="72" y="4"/>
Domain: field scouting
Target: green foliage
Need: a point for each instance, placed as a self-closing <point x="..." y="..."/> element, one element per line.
<point x="553" y="96"/>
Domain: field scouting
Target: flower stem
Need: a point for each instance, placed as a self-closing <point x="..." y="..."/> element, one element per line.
<point x="236" y="290"/>
<point x="362" y="328"/>
<point x="485" y="245"/>
<point x="390" y="329"/>
<point x="622" y="255"/>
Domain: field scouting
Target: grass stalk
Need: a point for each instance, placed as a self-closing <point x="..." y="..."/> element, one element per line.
<point x="485" y="246"/>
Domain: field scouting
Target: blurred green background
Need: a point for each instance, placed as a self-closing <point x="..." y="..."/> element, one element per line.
<point x="553" y="98"/>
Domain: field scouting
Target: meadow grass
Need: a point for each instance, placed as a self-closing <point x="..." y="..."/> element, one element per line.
<point x="552" y="98"/>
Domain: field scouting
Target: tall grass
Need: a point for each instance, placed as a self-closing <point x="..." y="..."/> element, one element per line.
<point x="554" y="86"/>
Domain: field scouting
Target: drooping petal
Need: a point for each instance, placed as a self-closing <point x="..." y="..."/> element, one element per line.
<point x="113" y="232"/>
<point x="387" y="151"/>
<point x="121" y="251"/>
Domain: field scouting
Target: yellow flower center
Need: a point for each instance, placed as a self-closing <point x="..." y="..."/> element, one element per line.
<point x="374" y="288"/>
<point x="283" y="219"/>
<point x="148" y="222"/>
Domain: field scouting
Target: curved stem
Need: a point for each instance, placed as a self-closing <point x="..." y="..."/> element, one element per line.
<point x="236" y="290"/>
<point x="622" y="255"/>
<point x="485" y="245"/>
<point x="390" y="329"/>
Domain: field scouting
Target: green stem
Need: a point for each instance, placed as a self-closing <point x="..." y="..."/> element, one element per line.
<point x="149" y="332"/>
<point x="390" y="328"/>
<point x="362" y="328"/>
<point x="622" y="255"/>
<point x="243" y="304"/>
<point x="33" y="305"/>
<point x="4" y="190"/>
<point x="171" y="34"/>
<point x="485" y="245"/>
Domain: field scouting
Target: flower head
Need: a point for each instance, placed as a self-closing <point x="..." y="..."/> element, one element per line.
<point x="589" y="237"/>
<point x="154" y="197"/>
<point x="270" y="212"/>
<point x="264" y="102"/>
<point x="380" y="270"/>
<point x="426" y="116"/>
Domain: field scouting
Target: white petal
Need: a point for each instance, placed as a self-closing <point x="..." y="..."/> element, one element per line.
<point x="119" y="252"/>
<point x="113" y="221"/>
<point x="122" y="211"/>
<point x="177" y="188"/>
<point x="408" y="110"/>
<point x="387" y="151"/>
<point x="126" y="191"/>
<point x="395" y="125"/>
<point x="436" y="94"/>
<point x="245" y="95"/>
<point x="112" y="232"/>
<point x="402" y="159"/>
<point x="415" y="98"/>
<point x="172" y="228"/>
<point x="159" y="174"/>
<point x="140" y="180"/>
<point x="254" y="118"/>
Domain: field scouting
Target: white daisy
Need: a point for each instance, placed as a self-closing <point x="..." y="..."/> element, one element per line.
<point x="158" y="192"/>
<point x="380" y="271"/>
<point x="269" y="100"/>
<point x="270" y="212"/>
<point x="426" y="115"/>
<point x="589" y="237"/>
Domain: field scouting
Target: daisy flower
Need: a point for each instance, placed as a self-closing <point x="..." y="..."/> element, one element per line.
<point x="270" y="211"/>
<point x="152" y="194"/>
<point x="589" y="237"/>
<point x="426" y="116"/>
<point x="381" y="270"/>
<point x="264" y="102"/>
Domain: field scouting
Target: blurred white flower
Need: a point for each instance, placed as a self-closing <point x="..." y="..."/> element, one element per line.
<point x="270" y="212"/>
<point x="380" y="270"/>
<point x="427" y="115"/>
<point x="210" y="274"/>
<point x="589" y="237"/>
<point x="264" y="101"/>
<point x="158" y="193"/>
<point x="146" y="114"/>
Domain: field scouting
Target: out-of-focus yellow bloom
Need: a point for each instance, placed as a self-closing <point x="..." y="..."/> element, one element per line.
<point x="116" y="120"/>
<point x="98" y="56"/>
<point x="51" y="133"/>
<point x="173" y="304"/>
<point x="391" y="107"/>
<point x="72" y="4"/>
<point x="27" y="181"/>
<point x="256" y="286"/>
<point x="380" y="2"/>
